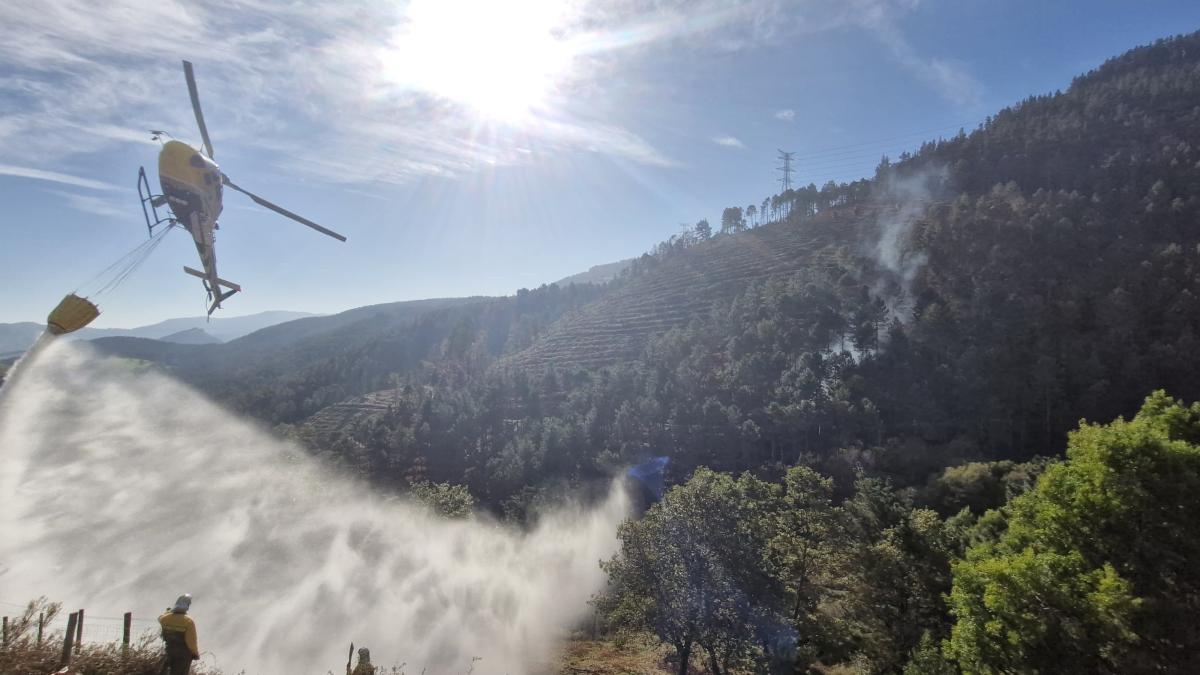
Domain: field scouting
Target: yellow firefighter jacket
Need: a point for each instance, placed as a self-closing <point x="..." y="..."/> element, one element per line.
<point x="177" y="625"/>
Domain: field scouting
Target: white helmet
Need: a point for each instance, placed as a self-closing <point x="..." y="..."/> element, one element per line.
<point x="182" y="603"/>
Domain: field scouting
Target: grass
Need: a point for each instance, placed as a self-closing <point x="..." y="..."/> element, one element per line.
<point x="22" y="654"/>
<point x="639" y="654"/>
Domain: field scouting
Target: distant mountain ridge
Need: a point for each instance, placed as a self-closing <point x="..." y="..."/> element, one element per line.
<point x="319" y="361"/>
<point x="16" y="337"/>
<point x="191" y="336"/>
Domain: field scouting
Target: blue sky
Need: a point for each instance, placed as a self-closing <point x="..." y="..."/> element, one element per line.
<point x="472" y="147"/>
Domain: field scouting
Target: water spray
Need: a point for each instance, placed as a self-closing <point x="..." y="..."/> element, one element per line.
<point x="119" y="489"/>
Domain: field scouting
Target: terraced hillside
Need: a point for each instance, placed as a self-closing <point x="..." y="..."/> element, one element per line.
<point x="669" y="293"/>
<point x="335" y="417"/>
<point x="616" y="327"/>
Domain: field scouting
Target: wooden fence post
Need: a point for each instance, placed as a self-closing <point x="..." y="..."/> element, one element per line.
<point x="5" y="643"/>
<point x="66" y="653"/>
<point x="79" y="631"/>
<point x="41" y="626"/>
<point x="125" y="632"/>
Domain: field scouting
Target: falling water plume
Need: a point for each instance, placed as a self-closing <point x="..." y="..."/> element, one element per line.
<point x="121" y="489"/>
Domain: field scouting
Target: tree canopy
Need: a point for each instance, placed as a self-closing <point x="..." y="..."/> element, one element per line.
<point x="1096" y="571"/>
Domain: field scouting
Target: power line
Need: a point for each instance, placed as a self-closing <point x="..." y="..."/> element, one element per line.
<point x="861" y="165"/>
<point x="866" y="153"/>
<point x="834" y="149"/>
<point x="856" y="159"/>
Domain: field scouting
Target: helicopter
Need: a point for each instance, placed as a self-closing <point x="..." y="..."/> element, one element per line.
<point x="192" y="186"/>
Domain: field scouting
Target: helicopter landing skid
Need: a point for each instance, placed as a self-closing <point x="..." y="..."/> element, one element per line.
<point x="150" y="204"/>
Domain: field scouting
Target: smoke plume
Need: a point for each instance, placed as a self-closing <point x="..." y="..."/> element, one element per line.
<point x="121" y="489"/>
<point x="907" y="198"/>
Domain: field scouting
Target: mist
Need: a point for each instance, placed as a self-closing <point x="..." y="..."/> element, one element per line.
<point x="121" y="489"/>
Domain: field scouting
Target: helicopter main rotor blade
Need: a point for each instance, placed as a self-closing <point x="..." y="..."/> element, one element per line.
<point x="280" y="210"/>
<point x="191" y="83"/>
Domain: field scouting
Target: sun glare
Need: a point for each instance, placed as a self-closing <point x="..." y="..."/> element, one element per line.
<point x="502" y="59"/>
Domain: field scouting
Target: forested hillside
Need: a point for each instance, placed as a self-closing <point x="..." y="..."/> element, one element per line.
<point x="887" y="360"/>
<point x="680" y="284"/>
<point x="287" y="372"/>
<point x="972" y="301"/>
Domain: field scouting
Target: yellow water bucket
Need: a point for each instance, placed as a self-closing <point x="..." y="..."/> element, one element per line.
<point x="71" y="314"/>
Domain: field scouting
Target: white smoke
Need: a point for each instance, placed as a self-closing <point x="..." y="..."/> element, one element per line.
<point x="909" y="197"/>
<point x="119" y="490"/>
<point x="906" y="200"/>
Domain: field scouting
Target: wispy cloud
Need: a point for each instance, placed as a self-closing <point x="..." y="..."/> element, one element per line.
<point x="743" y="24"/>
<point x="950" y="79"/>
<point x="93" y="205"/>
<point x="728" y="142"/>
<point x="601" y="138"/>
<point x="785" y="115"/>
<point x="54" y="177"/>
<point x="83" y="77"/>
<point x="328" y="89"/>
<point x="733" y="25"/>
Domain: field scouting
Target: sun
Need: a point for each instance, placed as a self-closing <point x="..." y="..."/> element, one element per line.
<point x="502" y="59"/>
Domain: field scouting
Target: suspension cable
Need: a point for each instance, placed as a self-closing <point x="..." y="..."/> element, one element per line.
<point x="116" y="274"/>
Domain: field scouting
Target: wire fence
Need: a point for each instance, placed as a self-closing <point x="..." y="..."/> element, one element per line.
<point x="106" y="629"/>
<point x="84" y="628"/>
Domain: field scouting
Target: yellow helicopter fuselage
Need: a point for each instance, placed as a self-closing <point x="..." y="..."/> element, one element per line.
<point x="191" y="182"/>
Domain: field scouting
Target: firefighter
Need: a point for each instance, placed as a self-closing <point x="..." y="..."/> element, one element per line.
<point x="364" y="666"/>
<point x="179" y="634"/>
